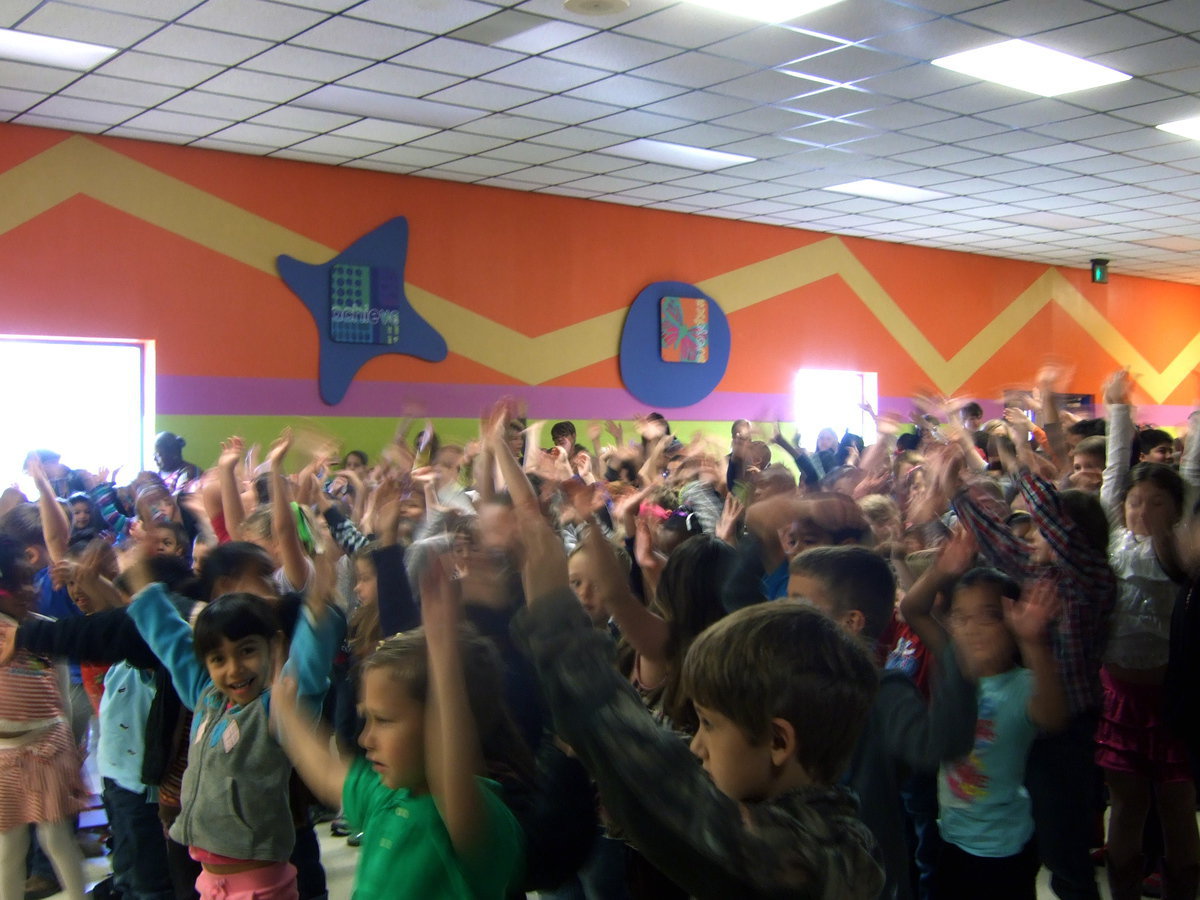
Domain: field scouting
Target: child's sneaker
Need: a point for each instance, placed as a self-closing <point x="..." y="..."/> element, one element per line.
<point x="1152" y="885"/>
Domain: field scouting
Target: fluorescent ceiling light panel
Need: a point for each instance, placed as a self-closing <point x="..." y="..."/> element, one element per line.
<point x="766" y="10"/>
<point x="886" y="190"/>
<point x="677" y="155"/>
<point x="1028" y="67"/>
<point x="1188" y="128"/>
<point x="51" y="51"/>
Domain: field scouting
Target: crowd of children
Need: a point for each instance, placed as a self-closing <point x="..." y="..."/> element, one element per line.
<point x="912" y="666"/>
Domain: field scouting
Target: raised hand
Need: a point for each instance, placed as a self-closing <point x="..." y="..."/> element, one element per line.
<point x="731" y="514"/>
<point x="1029" y="618"/>
<point x="231" y="453"/>
<point x="958" y="553"/>
<point x="1017" y="422"/>
<point x="1117" y="387"/>
<point x="279" y="450"/>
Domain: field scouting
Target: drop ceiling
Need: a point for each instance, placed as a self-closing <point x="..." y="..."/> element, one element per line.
<point x="529" y="96"/>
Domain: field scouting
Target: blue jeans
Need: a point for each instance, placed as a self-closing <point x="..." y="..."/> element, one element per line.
<point x="139" y="849"/>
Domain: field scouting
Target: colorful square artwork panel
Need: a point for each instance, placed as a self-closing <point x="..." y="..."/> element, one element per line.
<point x="364" y="304"/>
<point x="683" y="329"/>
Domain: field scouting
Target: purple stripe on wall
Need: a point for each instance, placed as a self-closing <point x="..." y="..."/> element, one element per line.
<point x="213" y="395"/>
<point x="195" y="395"/>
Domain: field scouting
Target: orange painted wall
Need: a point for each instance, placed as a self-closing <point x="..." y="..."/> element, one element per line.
<point x="534" y="264"/>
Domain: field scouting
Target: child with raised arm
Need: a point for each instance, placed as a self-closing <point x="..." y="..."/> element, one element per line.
<point x="1069" y="552"/>
<point x="235" y="818"/>
<point x="986" y="817"/>
<point x="781" y="695"/>
<point x="1142" y="757"/>
<point x="431" y="701"/>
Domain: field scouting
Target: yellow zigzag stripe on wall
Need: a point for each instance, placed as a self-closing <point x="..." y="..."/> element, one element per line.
<point x="81" y="166"/>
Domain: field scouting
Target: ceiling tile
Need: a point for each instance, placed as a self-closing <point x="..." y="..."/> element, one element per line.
<point x="1083" y="127"/>
<point x="253" y="18"/>
<point x="261" y="135"/>
<point x="606" y="183"/>
<point x="300" y="62"/>
<point x="155" y="69"/>
<point x="1162" y="111"/>
<point x="457" y="142"/>
<point x="686" y="26"/>
<point x="34" y="78"/>
<point x="1097" y="36"/>
<point x="705" y="136"/>
<point x="914" y="82"/>
<point x="120" y="90"/>
<point x="533" y="154"/>
<point x="1178" y="15"/>
<point x="484" y="95"/>
<point x="848" y="64"/>
<point x="202" y="45"/>
<point x="1032" y="113"/>
<point x="382" y="131"/>
<point x="181" y="123"/>
<point x="950" y="131"/>
<point x="341" y="146"/>
<point x="258" y="85"/>
<point x="334" y="98"/>
<point x="164" y="10"/>
<point x="864" y="19"/>
<point x="764" y="119"/>
<point x="976" y="99"/>
<point x="1009" y="142"/>
<point x="14" y="101"/>
<point x="554" y="9"/>
<point x="92" y="25"/>
<point x="414" y="156"/>
<point x="1182" y="79"/>
<point x="695" y="70"/>
<point x="546" y="75"/>
<point x="615" y="52"/>
<point x="476" y="165"/>
<point x="831" y="131"/>
<point x="700" y="105"/>
<point x="579" y="138"/>
<point x="566" y="110"/>
<point x="326" y="159"/>
<point x="544" y="175"/>
<point x="311" y="120"/>
<point x="79" y="125"/>
<point x="216" y="106"/>
<point x="771" y="45"/>
<point x="1021" y="18"/>
<point x="423" y="15"/>
<point x="146" y="134"/>
<point x="544" y="37"/>
<point x="933" y="40"/>
<point x="355" y="37"/>
<point x="211" y="143"/>
<point x="625" y="90"/>
<point x="1153" y="58"/>
<point x="457" y="57"/>
<point x="836" y="102"/>
<point x="765" y="87"/>
<point x="90" y="111"/>
<point x="637" y="123"/>
<point x="403" y="80"/>
<point x="506" y="125"/>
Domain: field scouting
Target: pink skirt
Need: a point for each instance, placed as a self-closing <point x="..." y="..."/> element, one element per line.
<point x="274" y="882"/>
<point x="40" y="781"/>
<point x="1133" y="737"/>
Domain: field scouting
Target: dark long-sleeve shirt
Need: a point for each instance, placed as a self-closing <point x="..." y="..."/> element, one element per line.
<point x="807" y="843"/>
<point x="1080" y="573"/>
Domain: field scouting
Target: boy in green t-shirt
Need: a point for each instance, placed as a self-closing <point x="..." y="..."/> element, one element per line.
<point x="429" y="822"/>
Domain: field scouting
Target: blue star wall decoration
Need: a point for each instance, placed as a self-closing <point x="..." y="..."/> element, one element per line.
<point x="357" y="300"/>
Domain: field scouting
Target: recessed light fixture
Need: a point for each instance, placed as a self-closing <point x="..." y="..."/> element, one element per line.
<point x="51" y="51"/>
<point x="1188" y="128"/>
<point x="886" y="190"/>
<point x="766" y="10"/>
<point x="1028" y="67"/>
<point x="677" y="155"/>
